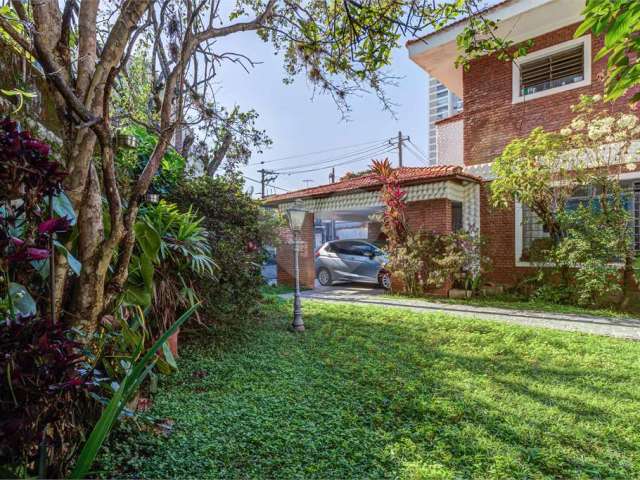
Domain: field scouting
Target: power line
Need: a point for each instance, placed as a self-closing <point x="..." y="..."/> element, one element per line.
<point x="259" y="182"/>
<point x="370" y="150"/>
<point x="417" y="148"/>
<point x="416" y="154"/>
<point x="353" y="160"/>
<point x="317" y="152"/>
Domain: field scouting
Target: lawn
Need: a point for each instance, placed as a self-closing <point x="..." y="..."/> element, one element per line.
<point x="382" y="393"/>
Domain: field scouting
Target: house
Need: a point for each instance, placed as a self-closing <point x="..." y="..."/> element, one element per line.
<point x="502" y="100"/>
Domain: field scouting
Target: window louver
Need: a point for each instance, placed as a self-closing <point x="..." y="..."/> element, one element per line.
<point x="553" y="71"/>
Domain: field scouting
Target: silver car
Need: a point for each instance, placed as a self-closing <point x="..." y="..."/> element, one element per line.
<point x="351" y="261"/>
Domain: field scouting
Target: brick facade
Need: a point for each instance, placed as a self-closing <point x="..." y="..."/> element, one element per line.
<point x="491" y="120"/>
<point x="284" y="256"/>
<point x="435" y="216"/>
<point x="374" y="232"/>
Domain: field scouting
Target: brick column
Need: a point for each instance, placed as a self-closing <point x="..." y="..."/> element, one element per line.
<point x="434" y="216"/>
<point x="284" y="255"/>
<point x="374" y="232"/>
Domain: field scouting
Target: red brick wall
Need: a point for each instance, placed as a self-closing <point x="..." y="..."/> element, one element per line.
<point x="491" y="121"/>
<point x="284" y="256"/>
<point x="433" y="215"/>
<point x="374" y="232"/>
<point x="498" y="227"/>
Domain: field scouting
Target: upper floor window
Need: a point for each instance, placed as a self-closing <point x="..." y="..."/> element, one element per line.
<point x="552" y="70"/>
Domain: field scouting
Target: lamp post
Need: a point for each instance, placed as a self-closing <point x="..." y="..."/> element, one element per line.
<point x="296" y="216"/>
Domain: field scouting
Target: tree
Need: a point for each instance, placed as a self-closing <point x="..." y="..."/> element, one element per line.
<point x="618" y="21"/>
<point x="543" y="170"/>
<point x="84" y="48"/>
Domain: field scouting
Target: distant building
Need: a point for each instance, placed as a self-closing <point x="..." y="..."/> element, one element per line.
<point x="442" y="104"/>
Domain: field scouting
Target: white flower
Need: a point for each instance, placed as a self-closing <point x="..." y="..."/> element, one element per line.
<point x="627" y="121"/>
<point x="597" y="98"/>
<point x="565" y="132"/>
<point x="578" y="124"/>
<point x="631" y="166"/>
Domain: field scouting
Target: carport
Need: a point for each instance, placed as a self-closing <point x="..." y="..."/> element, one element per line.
<point x="439" y="198"/>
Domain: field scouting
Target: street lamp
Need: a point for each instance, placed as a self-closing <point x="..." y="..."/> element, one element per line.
<point x="296" y="216"/>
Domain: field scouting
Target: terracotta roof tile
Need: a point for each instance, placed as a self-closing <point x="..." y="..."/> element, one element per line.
<point x="406" y="175"/>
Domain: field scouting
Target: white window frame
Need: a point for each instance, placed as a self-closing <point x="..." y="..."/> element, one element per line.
<point x="585" y="41"/>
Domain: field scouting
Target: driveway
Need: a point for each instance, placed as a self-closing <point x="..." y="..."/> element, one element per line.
<point x="368" y="295"/>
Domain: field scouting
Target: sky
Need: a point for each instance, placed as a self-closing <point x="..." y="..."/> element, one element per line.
<point x="300" y="123"/>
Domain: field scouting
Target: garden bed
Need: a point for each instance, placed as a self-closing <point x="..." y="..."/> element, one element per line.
<point x="372" y="392"/>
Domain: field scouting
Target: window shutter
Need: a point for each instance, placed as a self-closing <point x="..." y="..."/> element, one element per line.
<point x="553" y="71"/>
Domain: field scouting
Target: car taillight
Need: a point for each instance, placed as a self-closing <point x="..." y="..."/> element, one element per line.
<point x="317" y="254"/>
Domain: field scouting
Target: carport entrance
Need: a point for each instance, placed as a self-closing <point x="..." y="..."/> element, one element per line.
<point x="439" y="198"/>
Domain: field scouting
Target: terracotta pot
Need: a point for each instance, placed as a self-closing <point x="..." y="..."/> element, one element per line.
<point x="173" y="343"/>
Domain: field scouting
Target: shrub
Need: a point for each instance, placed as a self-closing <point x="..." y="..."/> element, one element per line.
<point x="594" y="244"/>
<point x="238" y="230"/>
<point x="428" y="260"/>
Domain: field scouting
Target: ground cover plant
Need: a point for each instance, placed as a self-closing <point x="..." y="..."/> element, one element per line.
<point x="372" y="393"/>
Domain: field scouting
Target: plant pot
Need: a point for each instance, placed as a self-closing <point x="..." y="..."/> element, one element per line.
<point x="459" y="293"/>
<point x="173" y="343"/>
<point x="491" y="290"/>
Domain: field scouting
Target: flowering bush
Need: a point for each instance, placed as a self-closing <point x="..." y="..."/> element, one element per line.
<point x="428" y="260"/>
<point x="544" y="169"/>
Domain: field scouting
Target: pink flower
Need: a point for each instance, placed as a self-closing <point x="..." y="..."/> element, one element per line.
<point x="52" y="225"/>
<point x="30" y="253"/>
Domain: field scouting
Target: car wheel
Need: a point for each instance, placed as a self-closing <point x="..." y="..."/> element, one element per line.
<point x="324" y="277"/>
<point x="384" y="280"/>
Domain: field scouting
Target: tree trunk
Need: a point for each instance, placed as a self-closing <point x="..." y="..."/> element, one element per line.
<point x="219" y="154"/>
<point x="629" y="283"/>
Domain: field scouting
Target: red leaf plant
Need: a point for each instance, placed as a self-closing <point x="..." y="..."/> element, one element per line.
<point x="394" y="224"/>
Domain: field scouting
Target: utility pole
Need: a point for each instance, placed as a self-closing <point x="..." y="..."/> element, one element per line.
<point x="307" y="182"/>
<point x="266" y="176"/>
<point x="332" y="175"/>
<point x="400" y="149"/>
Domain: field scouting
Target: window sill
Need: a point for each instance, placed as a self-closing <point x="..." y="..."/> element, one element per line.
<point x="552" y="91"/>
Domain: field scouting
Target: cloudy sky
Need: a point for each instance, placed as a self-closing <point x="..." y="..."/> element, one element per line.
<point x="300" y="123"/>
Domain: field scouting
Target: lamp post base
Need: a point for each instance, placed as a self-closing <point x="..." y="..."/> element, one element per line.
<point x="297" y="324"/>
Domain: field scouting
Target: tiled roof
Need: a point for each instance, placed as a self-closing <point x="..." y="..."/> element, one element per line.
<point x="406" y="175"/>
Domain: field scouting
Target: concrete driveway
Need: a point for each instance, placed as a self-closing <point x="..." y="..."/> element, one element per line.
<point x="370" y="295"/>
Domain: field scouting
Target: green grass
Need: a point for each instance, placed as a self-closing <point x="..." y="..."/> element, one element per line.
<point x="518" y="303"/>
<point x="384" y="393"/>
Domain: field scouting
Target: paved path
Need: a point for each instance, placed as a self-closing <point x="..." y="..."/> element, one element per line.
<point x="365" y="295"/>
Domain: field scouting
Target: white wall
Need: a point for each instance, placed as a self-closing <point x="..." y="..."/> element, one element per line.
<point x="450" y="143"/>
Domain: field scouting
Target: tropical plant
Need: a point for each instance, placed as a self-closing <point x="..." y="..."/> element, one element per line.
<point x="139" y="365"/>
<point x="394" y="223"/>
<point x="618" y="21"/>
<point x="45" y="376"/>
<point x="183" y="251"/>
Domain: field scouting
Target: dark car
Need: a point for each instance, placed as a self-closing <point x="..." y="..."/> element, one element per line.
<point x="351" y="261"/>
